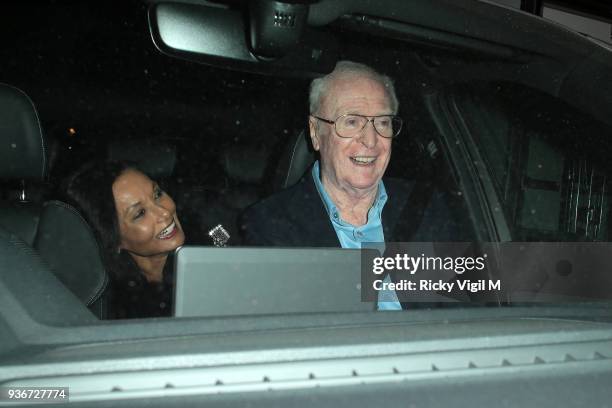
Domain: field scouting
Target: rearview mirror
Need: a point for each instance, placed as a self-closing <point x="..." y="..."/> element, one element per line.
<point x="220" y="37"/>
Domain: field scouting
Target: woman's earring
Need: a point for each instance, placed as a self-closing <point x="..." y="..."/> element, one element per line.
<point x="118" y="250"/>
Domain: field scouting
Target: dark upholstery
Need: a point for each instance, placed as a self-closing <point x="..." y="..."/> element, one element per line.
<point x="245" y="169"/>
<point x="69" y="247"/>
<point x="22" y="148"/>
<point x="53" y="230"/>
<point x="156" y="158"/>
<point x="29" y="290"/>
<point x="20" y="219"/>
<point x="297" y="158"/>
<point x="245" y="164"/>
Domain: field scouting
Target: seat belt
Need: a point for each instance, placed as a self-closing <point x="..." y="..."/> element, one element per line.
<point x="418" y="199"/>
<point x="412" y="214"/>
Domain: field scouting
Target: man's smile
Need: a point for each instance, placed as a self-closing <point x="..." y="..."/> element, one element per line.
<point x="363" y="160"/>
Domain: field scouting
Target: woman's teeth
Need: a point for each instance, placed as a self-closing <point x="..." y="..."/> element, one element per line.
<point x="167" y="231"/>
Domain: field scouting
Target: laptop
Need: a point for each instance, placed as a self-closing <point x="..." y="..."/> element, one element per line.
<point x="212" y="281"/>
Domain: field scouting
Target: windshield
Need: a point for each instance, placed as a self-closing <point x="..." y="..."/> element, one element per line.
<point x="414" y="176"/>
<point x="304" y="200"/>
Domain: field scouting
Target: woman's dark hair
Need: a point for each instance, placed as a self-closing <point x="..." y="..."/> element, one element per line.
<point x="90" y="190"/>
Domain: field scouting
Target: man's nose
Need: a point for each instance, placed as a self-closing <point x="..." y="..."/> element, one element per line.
<point x="368" y="136"/>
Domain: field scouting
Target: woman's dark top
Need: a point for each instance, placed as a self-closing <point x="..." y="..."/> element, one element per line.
<point x="135" y="297"/>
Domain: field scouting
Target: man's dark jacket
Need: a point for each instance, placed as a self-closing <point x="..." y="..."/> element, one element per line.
<point x="296" y="217"/>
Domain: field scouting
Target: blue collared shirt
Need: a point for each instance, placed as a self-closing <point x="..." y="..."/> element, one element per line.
<point x="351" y="236"/>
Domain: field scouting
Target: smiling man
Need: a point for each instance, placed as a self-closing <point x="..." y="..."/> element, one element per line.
<point x="340" y="200"/>
<point x="351" y="124"/>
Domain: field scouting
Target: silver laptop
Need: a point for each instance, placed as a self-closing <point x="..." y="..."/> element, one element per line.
<point x="254" y="281"/>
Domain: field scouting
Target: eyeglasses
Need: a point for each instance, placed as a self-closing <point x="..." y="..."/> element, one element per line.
<point x="350" y="125"/>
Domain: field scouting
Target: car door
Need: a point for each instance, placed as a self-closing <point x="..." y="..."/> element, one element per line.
<point x="540" y="164"/>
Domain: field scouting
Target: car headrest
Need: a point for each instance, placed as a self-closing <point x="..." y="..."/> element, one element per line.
<point x="245" y="164"/>
<point x="39" y="294"/>
<point x="297" y="158"/>
<point x="68" y="245"/>
<point x="20" y="219"/>
<point x="22" y="148"/>
<point x="156" y="158"/>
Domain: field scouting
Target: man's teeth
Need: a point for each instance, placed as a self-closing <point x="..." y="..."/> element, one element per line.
<point x="363" y="159"/>
<point x="168" y="230"/>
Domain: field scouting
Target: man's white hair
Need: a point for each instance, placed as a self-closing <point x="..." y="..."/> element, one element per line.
<point x="320" y="86"/>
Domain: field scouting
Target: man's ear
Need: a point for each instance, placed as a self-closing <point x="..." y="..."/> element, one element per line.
<point x="314" y="137"/>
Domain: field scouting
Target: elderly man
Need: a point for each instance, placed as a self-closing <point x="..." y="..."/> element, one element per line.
<point x="340" y="201"/>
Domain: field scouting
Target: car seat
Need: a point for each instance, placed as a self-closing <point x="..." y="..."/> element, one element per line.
<point x="298" y="156"/>
<point x="55" y="230"/>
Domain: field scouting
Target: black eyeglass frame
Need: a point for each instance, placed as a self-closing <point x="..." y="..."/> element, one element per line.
<point x="369" y="119"/>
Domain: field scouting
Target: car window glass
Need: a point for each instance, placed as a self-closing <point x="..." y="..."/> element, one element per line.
<point x="554" y="176"/>
<point x="493" y="133"/>
<point x="101" y="85"/>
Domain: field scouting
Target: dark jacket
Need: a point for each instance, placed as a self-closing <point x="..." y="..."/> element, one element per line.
<point x="296" y="217"/>
<point x="134" y="297"/>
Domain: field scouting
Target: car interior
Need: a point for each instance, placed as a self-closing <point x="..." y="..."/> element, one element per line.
<point x="214" y="177"/>
<point x="506" y="117"/>
<point x="40" y="223"/>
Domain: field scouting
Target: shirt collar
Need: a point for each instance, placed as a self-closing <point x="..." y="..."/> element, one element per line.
<point x="330" y="207"/>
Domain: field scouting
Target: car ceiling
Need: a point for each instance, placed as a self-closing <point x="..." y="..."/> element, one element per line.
<point x="558" y="61"/>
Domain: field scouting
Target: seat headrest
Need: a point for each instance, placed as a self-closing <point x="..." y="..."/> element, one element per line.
<point x="297" y="158"/>
<point x="40" y="295"/>
<point x="245" y="164"/>
<point x="69" y="247"/>
<point x="155" y="158"/>
<point x="22" y="148"/>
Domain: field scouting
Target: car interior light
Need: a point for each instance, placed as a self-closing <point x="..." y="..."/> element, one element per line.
<point x="275" y="26"/>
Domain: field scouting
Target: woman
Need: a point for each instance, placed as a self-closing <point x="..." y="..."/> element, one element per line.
<point x="138" y="228"/>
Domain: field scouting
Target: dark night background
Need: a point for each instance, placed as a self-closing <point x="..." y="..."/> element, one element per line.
<point x="96" y="77"/>
<point x="91" y="66"/>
